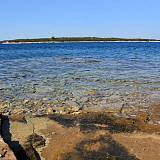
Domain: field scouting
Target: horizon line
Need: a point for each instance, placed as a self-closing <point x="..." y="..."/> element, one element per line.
<point x="52" y="37"/>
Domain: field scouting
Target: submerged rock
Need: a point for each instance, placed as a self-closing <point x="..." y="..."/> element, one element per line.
<point x="73" y="107"/>
<point x="70" y="107"/>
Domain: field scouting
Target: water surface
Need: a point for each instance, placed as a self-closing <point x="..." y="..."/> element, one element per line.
<point x="93" y="74"/>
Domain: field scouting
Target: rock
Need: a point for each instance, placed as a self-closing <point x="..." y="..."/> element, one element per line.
<point x="69" y="107"/>
<point x="40" y="112"/>
<point x="17" y="118"/>
<point x="143" y="117"/>
<point x="72" y="107"/>
<point x="36" y="140"/>
<point x="45" y="99"/>
<point x="5" y="152"/>
<point x="72" y="104"/>
<point x="26" y="101"/>
<point x="92" y="92"/>
<point x="103" y="102"/>
<point x="0" y="123"/>
<point x="49" y="110"/>
<point x="18" y="111"/>
<point x="84" y="99"/>
<point x="30" y="151"/>
<point x="6" y="113"/>
<point x="75" y="109"/>
<point x="62" y="112"/>
<point x="150" y="122"/>
<point x="126" y="110"/>
<point x="74" y="99"/>
<point x="59" y="110"/>
<point x="3" y="106"/>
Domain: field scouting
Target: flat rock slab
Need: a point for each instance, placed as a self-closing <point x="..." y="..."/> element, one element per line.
<point x="5" y="152"/>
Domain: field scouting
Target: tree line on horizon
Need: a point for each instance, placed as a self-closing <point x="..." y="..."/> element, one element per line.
<point x="75" y="39"/>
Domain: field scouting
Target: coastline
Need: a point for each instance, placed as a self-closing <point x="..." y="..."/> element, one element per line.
<point x="82" y="42"/>
<point x="86" y="134"/>
<point x="78" y="40"/>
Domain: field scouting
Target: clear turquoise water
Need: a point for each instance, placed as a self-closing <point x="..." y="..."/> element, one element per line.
<point x="94" y="74"/>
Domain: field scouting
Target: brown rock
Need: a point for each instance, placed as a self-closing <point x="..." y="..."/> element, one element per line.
<point x="49" y="110"/>
<point x="17" y="118"/>
<point x="36" y="140"/>
<point x="5" y="152"/>
<point x="30" y="151"/>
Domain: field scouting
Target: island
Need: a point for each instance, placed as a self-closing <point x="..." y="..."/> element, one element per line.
<point x="77" y="39"/>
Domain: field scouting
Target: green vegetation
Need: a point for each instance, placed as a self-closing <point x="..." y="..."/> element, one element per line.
<point x="74" y="39"/>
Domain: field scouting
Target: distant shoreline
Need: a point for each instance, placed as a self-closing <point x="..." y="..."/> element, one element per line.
<point x="82" y="42"/>
<point x="75" y="39"/>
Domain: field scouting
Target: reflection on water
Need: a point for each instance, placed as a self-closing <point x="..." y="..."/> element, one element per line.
<point x="94" y="74"/>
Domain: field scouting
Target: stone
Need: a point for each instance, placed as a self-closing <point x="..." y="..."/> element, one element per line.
<point x="49" y="110"/>
<point x="18" y="111"/>
<point x="60" y="110"/>
<point x="84" y="99"/>
<point x="17" y="118"/>
<point x="0" y="123"/>
<point x="150" y="122"/>
<point x="36" y="140"/>
<point x="73" y="106"/>
<point x="3" y="106"/>
<point x="30" y="151"/>
<point x="5" y="152"/>
<point x="26" y="101"/>
<point x="75" y="109"/>
<point x="92" y="93"/>
<point x="103" y="102"/>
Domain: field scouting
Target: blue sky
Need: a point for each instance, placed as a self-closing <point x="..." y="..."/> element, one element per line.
<point x="103" y="18"/>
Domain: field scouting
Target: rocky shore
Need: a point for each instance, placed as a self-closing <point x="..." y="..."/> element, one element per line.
<point x="58" y="130"/>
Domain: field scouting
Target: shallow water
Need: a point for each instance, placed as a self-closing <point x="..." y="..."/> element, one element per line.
<point x="93" y="74"/>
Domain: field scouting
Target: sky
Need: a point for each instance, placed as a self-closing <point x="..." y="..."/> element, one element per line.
<point x="63" y="18"/>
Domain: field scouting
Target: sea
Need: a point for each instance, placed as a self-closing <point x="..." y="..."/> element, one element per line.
<point x="97" y="74"/>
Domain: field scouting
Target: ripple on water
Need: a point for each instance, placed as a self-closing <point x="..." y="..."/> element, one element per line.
<point x="94" y="74"/>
